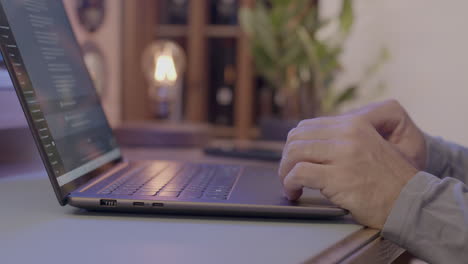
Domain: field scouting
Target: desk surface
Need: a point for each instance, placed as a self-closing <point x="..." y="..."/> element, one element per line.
<point x="35" y="229"/>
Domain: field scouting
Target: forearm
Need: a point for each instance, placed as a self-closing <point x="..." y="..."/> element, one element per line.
<point x="446" y="159"/>
<point x="430" y="219"/>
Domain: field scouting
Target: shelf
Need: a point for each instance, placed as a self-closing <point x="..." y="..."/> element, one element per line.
<point x="171" y="31"/>
<point x="141" y="24"/>
<point x="230" y="132"/>
<point x="216" y="131"/>
<point x="212" y="31"/>
<point x="224" y="31"/>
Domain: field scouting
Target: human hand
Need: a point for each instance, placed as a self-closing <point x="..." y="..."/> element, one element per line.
<point x="392" y="121"/>
<point x="347" y="158"/>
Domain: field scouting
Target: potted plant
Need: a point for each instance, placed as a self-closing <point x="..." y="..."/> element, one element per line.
<point x="299" y="64"/>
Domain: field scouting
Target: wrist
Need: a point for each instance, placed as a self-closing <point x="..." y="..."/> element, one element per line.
<point x="436" y="158"/>
<point x="404" y="212"/>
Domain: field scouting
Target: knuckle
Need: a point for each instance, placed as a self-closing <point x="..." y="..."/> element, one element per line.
<point x="286" y="152"/>
<point x="292" y="148"/>
<point x="286" y="162"/>
<point x="313" y="121"/>
<point x="287" y="180"/>
<point x="296" y="175"/>
<point x="322" y="119"/>
<point x="393" y="103"/>
<point x="395" y="106"/>
<point x="299" y="168"/>
<point x="304" y="122"/>
<point x="292" y="134"/>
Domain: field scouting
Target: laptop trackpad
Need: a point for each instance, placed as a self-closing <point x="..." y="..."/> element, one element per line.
<point x="262" y="186"/>
<point x="313" y="197"/>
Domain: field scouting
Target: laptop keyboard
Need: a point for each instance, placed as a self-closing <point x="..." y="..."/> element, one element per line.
<point x="175" y="180"/>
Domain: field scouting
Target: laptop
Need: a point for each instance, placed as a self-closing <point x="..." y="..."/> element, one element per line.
<point x="78" y="149"/>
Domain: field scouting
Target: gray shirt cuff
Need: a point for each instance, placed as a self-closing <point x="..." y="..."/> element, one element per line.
<point x="405" y="206"/>
<point x="430" y="219"/>
<point x="446" y="159"/>
<point x="437" y="155"/>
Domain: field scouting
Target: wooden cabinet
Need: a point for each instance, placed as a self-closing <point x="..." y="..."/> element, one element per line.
<point x="141" y="26"/>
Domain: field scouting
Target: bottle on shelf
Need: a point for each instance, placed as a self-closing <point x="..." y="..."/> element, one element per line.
<point x="225" y="97"/>
<point x="222" y="79"/>
<point x="173" y="12"/>
<point x="224" y="12"/>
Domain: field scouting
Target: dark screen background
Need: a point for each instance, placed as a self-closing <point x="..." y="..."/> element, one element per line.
<point x="63" y="90"/>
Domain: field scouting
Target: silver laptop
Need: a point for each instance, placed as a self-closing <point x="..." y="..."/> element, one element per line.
<point x="78" y="149"/>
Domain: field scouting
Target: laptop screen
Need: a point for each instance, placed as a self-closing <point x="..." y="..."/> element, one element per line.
<point x="56" y="90"/>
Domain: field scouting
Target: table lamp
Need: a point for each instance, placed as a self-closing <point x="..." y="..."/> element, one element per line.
<point x="164" y="66"/>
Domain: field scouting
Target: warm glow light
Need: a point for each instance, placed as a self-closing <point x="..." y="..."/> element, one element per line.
<point x="163" y="65"/>
<point x="165" y="70"/>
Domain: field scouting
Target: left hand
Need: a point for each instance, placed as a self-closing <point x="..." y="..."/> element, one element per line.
<point x="350" y="162"/>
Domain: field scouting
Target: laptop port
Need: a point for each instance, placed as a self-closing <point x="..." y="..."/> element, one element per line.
<point x="108" y="203"/>
<point x="158" y="204"/>
<point x="138" y="204"/>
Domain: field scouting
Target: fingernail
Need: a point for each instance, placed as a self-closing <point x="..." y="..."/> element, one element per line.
<point x="289" y="197"/>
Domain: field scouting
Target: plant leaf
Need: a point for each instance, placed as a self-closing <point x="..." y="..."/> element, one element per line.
<point x="346" y="95"/>
<point x="384" y="57"/>
<point x="346" y="16"/>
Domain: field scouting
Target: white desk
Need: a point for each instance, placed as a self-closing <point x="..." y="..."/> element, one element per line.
<point x="35" y="229"/>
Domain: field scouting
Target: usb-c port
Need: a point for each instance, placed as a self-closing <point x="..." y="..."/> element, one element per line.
<point x="158" y="204"/>
<point x="138" y="204"/>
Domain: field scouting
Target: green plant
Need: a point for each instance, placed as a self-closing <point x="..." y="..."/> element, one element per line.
<point x="289" y="55"/>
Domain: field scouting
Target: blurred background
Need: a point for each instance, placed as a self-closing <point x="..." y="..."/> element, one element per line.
<point x="250" y="69"/>
<point x="428" y="64"/>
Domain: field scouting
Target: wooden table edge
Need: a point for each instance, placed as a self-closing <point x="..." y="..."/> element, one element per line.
<point x="363" y="246"/>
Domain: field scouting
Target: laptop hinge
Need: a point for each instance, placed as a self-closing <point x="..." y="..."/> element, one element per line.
<point x="119" y="166"/>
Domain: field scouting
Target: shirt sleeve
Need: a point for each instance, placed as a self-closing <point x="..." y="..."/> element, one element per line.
<point x="430" y="219"/>
<point x="446" y="159"/>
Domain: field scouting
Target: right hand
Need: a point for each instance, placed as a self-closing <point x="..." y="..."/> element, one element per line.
<point x="360" y="161"/>
<point x="394" y="124"/>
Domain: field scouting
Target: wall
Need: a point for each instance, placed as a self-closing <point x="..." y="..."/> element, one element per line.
<point x="428" y="70"/>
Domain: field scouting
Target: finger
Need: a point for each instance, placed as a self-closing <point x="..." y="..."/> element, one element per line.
<point x="386" y="117"/>
<point x="320" y="121"/>
<point x="313" y="151"/>
<point x="304" y="174"/>
<point x="316" y="132"/>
